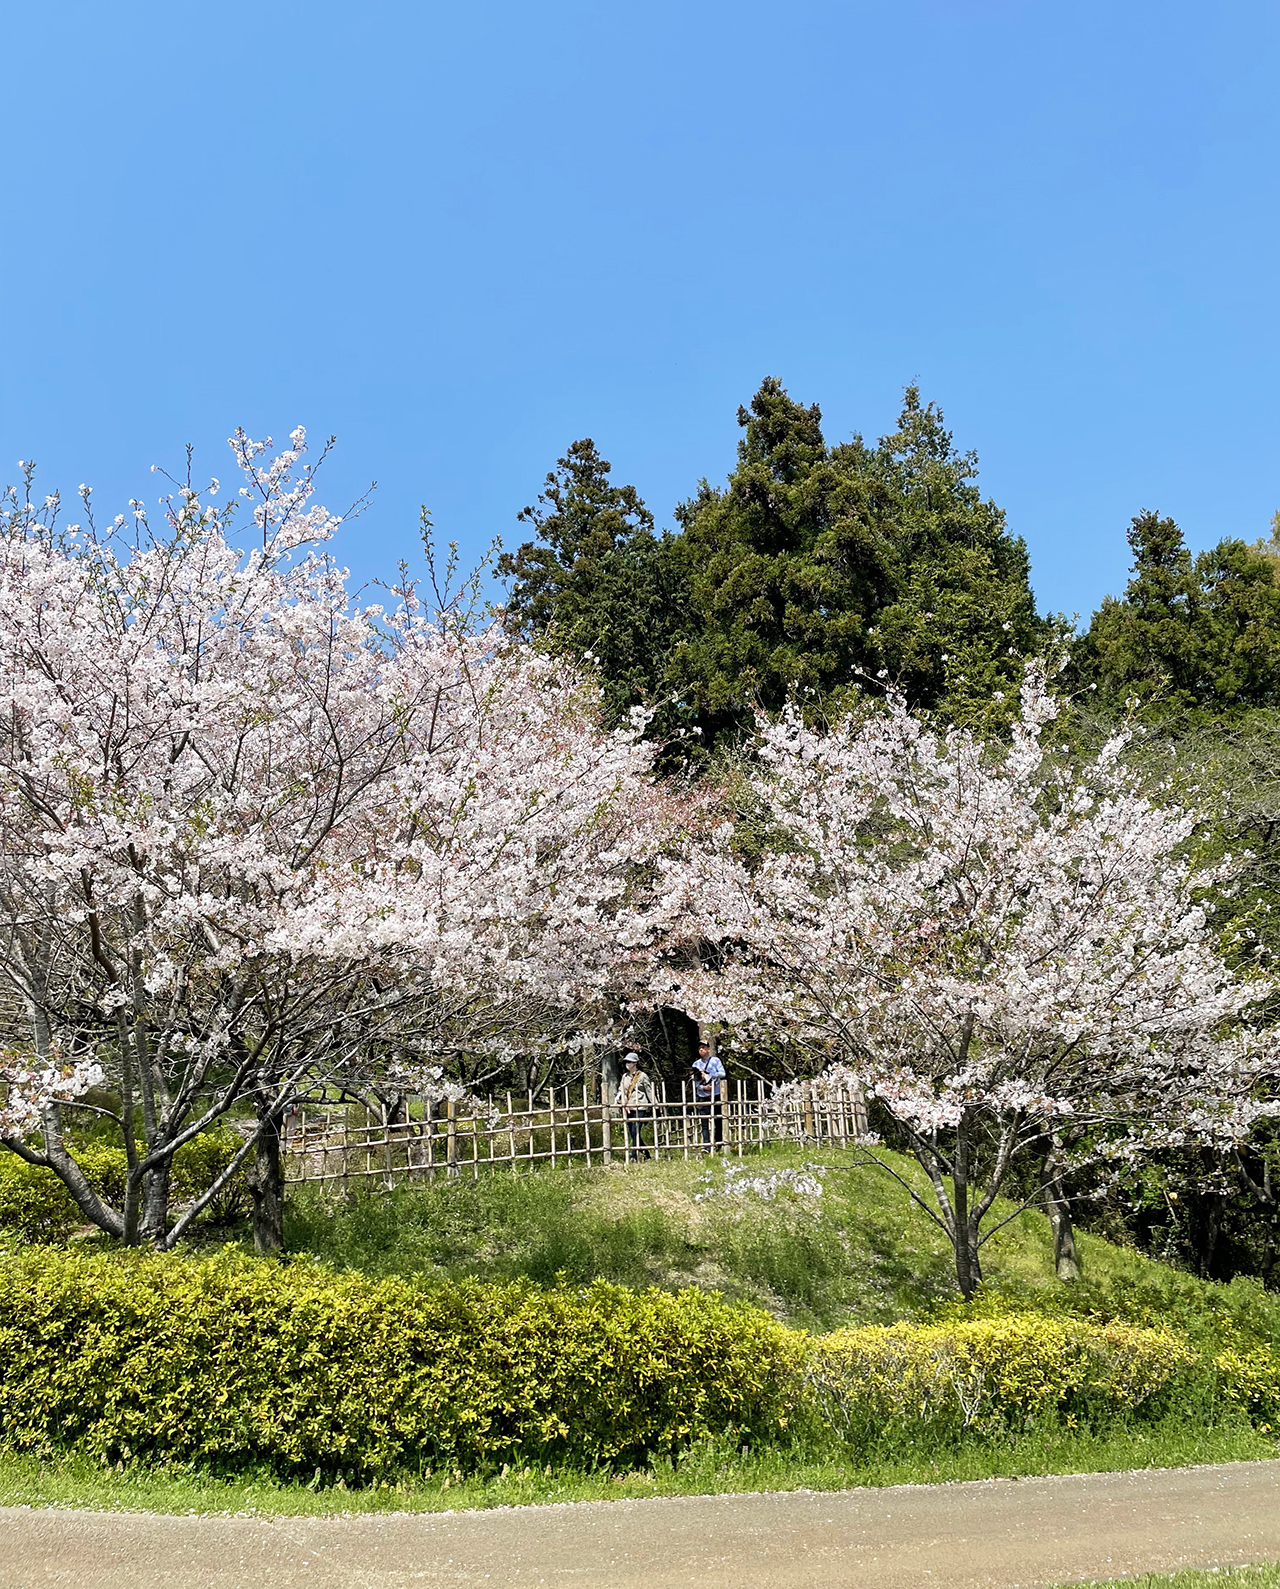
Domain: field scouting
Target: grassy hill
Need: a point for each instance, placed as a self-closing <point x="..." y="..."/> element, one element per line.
<point x="861" y="1252"/>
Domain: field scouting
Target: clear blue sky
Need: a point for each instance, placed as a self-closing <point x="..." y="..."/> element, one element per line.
<point x="461" y="236"/>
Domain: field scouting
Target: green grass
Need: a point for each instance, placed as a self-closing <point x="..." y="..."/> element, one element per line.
<point x="860" y="1253"/>
<point x="710" y="1469"/>
<point x="1266" y="1576"/>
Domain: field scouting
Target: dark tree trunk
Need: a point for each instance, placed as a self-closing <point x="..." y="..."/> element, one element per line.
<point x="396" y="1108"/>
<point x="153" y="1225"/>
<point x="968" y="1272"/>
<point x="1066" y="1261"/>
<point x="266" y="1186"/>
<point x="1211" y="1230"/>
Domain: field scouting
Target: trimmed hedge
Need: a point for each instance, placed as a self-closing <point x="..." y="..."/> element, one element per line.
<point x="35" y="1206"/>
<point x="1252" y="1380"/>
<point x="990" y="1373"/>
<point x="234" y="1364"/>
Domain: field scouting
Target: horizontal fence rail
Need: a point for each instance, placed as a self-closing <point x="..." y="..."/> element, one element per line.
<point x="559" y="1129"/>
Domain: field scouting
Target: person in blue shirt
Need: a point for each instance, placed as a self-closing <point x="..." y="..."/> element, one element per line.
<point x="708" y="1093"/>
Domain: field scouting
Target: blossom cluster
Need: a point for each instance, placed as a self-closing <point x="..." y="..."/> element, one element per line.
<point x="742" y="1181"/>
<point x="966" y="931"/>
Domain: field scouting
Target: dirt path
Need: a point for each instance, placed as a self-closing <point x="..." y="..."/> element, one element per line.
<point x="1004" y="1533"/>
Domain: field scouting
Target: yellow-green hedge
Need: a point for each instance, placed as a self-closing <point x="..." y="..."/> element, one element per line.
<point x="237" y="1364"/>
<point x="234" y="1364"/>
<point x="986" y="1372"/>
<point x="35" y="1206"/>
<point x="1251" y="1379"/>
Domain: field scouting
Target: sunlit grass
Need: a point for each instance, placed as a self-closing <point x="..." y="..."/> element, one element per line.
<point x="710" y="1469"/>
<point x="860" y="1253"/>
<point x="1266" y="1576"/>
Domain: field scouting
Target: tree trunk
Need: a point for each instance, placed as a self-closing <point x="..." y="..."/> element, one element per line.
<point x="1212" y="1229"/>
<point x="967" y="1272"/>
<point x="266" y="1186"/>
<point x="1066" y="1261"/>
<point x="396" y="1105"/>
<point x="153" y="1224"/>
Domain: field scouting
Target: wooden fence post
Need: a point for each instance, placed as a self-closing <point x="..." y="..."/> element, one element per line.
<point x="606" y="1119"/>
<point x="452" y="1150"/>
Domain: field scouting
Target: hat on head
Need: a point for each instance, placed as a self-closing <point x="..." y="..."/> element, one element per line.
<point x="631" y="1059"/>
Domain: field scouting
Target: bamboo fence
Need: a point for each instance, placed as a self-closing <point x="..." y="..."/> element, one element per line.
<point x="559" y="1129"/>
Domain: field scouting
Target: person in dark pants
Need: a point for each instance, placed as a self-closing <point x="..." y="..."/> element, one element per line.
<point x="636" y="1098"/>
<point x="702" y="1090"/>
<point x="709" y="1067"/>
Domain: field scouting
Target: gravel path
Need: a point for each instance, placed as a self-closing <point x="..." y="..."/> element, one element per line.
<point x="1002" y="1533"/>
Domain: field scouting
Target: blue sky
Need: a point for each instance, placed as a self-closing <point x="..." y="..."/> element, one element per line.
<point x="459" y="237"/>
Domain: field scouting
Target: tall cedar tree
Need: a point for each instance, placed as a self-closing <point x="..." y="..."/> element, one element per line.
<point x="814" y="567"/>
<point x="817" y="565"/>
<point x="786" y="568"/>
<point x="596" y="581"/>
<point x="1192" y="638"/>
<point x="962" y="617"/>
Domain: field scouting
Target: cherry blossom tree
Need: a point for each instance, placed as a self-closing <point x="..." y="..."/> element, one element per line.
<point x="255" y="837"/>
<point x="999" y="945"/>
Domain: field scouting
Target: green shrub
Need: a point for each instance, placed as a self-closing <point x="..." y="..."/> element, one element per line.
<point x="1251" y="1379"/>
<point x="233" y="1364"/>
<point x="36" y="1206"/>
<point x="982" y="1374"/>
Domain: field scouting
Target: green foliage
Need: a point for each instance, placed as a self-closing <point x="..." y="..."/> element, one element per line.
<point x="991" y="1373"/>
<point x="297" y="1367"/>
<point x="35" y="1206"/>
<point x="859" y="1254"/>
<point x="297" y="1370"/>
<point x="812" y="568"/>
<point x="786" y="567"/>
<point x="300" y="1372"/>
<point x="818" y="565"/>
<point x="1191" y="635"/>
<point x="709" y="1467"/>
<point x="1266" y="1576"/>
<point x="962" y="615"/>
<point x="596" y="581"/>
<point x="1252" y="1380"/>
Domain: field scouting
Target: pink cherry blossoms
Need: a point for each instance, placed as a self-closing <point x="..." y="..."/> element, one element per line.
<point x="254" y="837"/>
<point x="990" y="940"/>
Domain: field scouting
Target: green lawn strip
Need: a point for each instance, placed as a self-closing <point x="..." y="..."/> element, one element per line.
<point x="1265" y="1576"/>
<point x="710" y="1469"/>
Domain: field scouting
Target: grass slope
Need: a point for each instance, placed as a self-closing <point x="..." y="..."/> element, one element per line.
<point x="860" y="1253"/>
<point x="1266" y="1576"/>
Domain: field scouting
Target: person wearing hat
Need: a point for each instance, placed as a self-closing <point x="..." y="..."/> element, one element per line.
<point x="636" y="1099"/>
